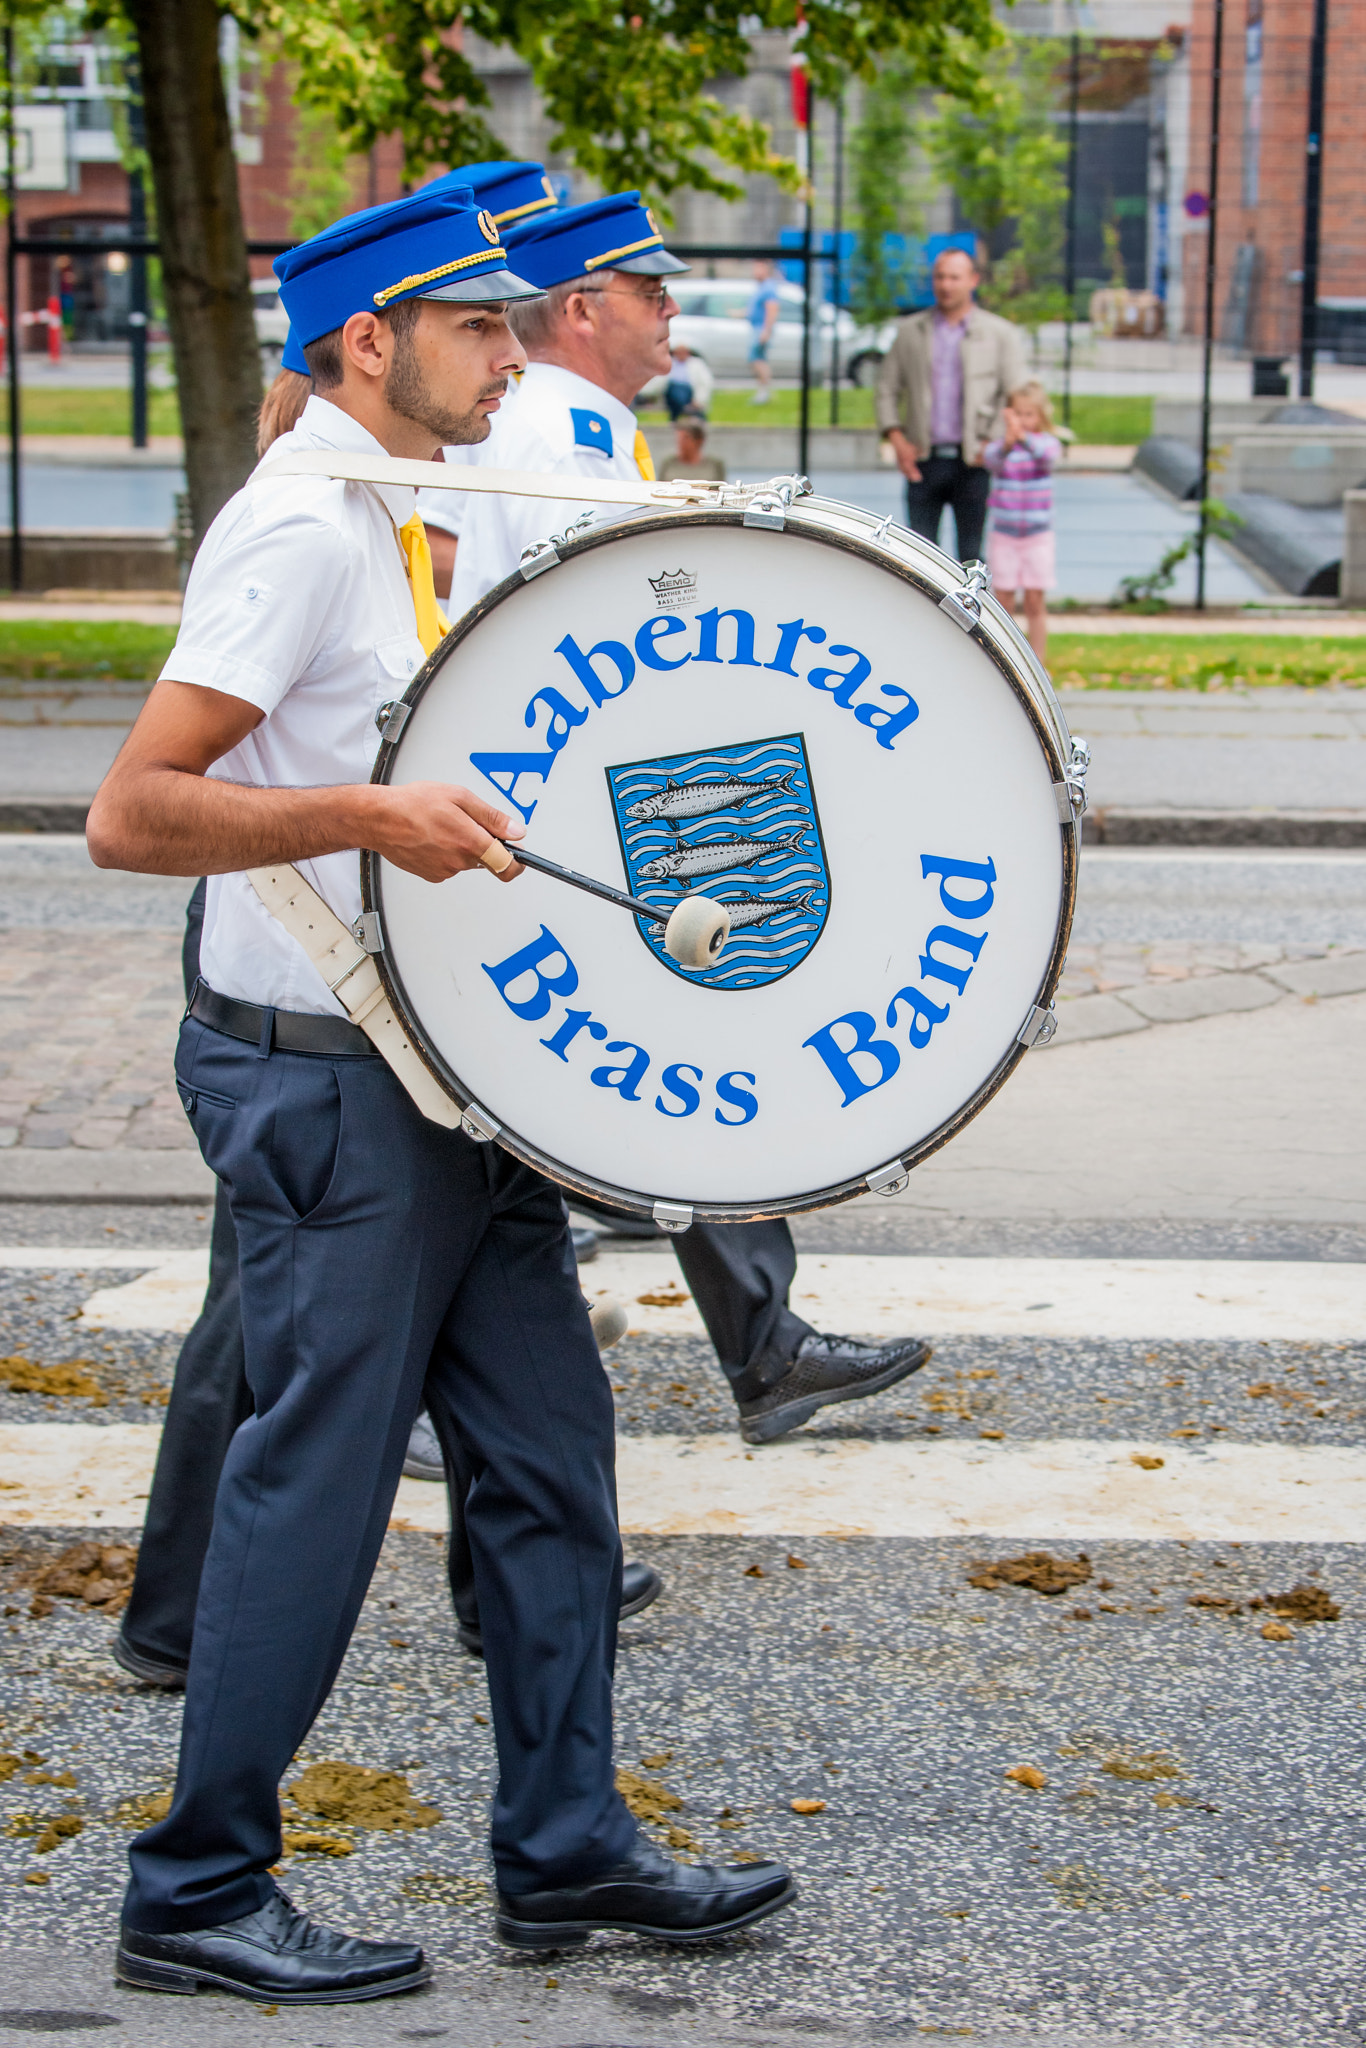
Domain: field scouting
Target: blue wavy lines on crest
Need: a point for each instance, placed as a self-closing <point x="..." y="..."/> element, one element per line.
<point x="738" y="823"/>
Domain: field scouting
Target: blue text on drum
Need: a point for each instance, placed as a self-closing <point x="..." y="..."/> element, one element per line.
<point x="608" y="669"/>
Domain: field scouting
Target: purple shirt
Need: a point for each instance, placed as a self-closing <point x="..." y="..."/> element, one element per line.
<point x="1021" y="497"/>
<point x="946" y="378"/>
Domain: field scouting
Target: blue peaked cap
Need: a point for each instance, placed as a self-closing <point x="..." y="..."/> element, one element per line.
<point x="619" y="233"/>
<point x="438" y="243"/>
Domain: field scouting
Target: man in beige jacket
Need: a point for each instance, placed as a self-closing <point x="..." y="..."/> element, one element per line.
<point x="940" y="392"/>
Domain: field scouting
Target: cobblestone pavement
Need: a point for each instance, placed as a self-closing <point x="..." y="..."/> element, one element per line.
<point x="88" y="1022"/>
<point x="87" y="1035"/>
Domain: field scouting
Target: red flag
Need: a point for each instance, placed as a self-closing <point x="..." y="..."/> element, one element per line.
<point x="801" y="78"/>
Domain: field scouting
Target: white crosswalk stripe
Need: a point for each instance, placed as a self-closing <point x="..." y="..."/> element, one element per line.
<point x="58" y="1474"/>
<point x="1182" y="1300"/>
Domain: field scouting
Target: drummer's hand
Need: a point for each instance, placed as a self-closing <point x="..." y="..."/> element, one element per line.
<point x="435" y="830"/>
<point x="904" y="451"/>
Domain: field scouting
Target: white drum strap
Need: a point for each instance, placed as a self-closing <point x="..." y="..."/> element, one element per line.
<point x="354" y="980"/>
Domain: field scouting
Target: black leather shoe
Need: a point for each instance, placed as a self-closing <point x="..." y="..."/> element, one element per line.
<point x="277" y="1955"/>
<point x="827" y="1369"/>
<point x="142" y="1664"/>
<point x="641" y="1586"/>
<point x="648" y="1893"/>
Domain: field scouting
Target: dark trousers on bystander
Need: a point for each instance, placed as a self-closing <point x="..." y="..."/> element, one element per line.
<point x="963" y="486"/>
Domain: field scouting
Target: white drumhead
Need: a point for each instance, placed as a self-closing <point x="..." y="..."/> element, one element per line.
<point x="894" y="875"/>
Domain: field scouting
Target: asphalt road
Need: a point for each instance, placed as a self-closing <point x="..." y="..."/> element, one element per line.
<point x="1127" y="893"/>
<point x="1189" y="1870"/>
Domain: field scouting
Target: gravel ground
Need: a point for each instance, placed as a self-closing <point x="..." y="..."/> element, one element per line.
<point x="1190" y="1865"/>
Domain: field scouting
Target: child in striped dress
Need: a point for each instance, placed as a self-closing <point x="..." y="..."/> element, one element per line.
<point x="1020" y="549"/>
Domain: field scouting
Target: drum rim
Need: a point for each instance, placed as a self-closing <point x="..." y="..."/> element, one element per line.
<point x="935" y="574"/>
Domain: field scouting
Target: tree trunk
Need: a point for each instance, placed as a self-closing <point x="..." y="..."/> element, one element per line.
<point x="203" y="247"/>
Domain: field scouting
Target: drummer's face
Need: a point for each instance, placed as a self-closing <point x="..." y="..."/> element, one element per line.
<point x="454" y="369"/>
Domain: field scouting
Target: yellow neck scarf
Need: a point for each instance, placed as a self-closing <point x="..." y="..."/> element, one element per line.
<point x="644" y="459"/>
<point x="417" y="555"/>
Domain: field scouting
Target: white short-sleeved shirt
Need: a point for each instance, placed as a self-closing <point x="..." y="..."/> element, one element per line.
<point x="560" y="424"/>
<point x="299" y="603"/>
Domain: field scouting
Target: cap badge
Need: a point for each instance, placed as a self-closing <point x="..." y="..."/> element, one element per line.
<point x="488" y="226"/>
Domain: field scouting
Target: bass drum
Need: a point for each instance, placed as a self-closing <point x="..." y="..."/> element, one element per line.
<point x="815" y="720"/>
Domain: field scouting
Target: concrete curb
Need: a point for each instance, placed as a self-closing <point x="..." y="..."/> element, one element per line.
<point x="44" y="813"/>
<point x="1110" y="825"/>
<point x="71" y="1175"/>
<point x="1113" y="825"/>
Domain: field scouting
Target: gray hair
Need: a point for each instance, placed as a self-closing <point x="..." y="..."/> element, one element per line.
<point x="535" y="322"/>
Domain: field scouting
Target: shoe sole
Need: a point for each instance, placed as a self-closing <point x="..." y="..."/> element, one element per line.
<point x="548" y="1934"/>
<point x="765" y="1428"/>
<point x="170" y="1677"/>
<point x="413" y="1469"/>
<point x="474" y="1646"/>
<point x="144" y="1973"/>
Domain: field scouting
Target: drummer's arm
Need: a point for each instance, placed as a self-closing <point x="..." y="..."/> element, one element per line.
<point x="158" y="812"/>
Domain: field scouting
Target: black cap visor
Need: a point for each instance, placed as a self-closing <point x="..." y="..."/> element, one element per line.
<point x="652" y="263"/>
<point x="485" y="290"/>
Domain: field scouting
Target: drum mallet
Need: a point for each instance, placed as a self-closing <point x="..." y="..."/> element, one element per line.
<point x="695" y="930"/>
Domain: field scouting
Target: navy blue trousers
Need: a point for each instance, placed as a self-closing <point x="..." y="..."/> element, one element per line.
<point x="381" y="1255"/>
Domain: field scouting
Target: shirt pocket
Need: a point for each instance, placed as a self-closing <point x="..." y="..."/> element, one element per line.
<point x="397" y="660"/>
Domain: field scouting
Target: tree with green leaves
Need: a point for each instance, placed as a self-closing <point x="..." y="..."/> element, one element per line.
<point x="879" y="163"/>
<point x="627" y="92"/>
<point x="1003" y="156"/>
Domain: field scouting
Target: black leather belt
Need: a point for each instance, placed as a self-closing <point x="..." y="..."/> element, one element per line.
<point x="286" y="1030"/>
<point x="946" y="451"/>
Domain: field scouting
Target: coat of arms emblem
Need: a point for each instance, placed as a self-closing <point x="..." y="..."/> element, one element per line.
<point x="737" y="823"/>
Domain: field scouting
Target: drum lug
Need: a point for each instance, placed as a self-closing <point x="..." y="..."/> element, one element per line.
<point x="476" y="1123"/>
<point x="964" y="605"/>
<point x="673" y="1216"/>
<point x="367" y="932"/>
<point x="1038" y="1027"/>
<point x="887" y="1180"/>
<point x="1071" y="791"/>
<point x="391" y="719"/>
<point x="536" y="559"/>
<point x="766" y="509"/>
<point x="769" y="504"/>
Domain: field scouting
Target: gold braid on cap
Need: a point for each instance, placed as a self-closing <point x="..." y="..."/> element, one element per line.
<point x="631" y="249"/>
<point x="407" y="284"/>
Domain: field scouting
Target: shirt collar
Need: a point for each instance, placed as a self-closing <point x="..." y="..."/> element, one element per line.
<point x="572" y="389"/>
<point x="324" y="425"/>
<point x="964" y="323"/>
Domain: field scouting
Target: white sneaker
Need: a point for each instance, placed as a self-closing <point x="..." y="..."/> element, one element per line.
<point x="424" y="1459"/>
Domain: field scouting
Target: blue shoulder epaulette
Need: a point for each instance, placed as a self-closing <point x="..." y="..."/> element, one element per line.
<point x="591" y="430"/>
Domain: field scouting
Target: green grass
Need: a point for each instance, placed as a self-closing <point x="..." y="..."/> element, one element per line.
<point x="737" y="409"/>
<point x="96" y="412"/>
<point x="1204" y="661"/>
<point x="34" y="650"/>
<point x="1111" y="421"/>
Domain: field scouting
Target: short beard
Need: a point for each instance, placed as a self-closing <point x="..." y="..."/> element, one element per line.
<point x="409" y="394"/>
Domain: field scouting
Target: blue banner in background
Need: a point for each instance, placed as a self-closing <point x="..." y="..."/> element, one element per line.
<point x="909" y="260"/>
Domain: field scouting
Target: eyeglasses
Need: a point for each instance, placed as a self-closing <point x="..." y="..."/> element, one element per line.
<point x="655" y="298"/>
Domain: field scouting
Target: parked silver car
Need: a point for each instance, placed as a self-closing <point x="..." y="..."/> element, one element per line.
<point x="713" y="320"/>
<point x="272" y="322"/>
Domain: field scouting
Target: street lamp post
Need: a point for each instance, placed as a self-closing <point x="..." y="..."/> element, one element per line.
<point x="1215" y="103"/>
<point x="16" y="537"/>
<point x="1073" y="95"/>
<point x="1313" y="200"/>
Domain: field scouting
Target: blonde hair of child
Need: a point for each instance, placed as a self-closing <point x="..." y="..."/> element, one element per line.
<point x="1034" y="394"/>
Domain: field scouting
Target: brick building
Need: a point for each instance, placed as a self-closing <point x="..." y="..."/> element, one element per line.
<point x="1261" y="175"/>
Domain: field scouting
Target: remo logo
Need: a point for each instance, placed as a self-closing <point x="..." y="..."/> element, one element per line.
<point x="736" y="823"/>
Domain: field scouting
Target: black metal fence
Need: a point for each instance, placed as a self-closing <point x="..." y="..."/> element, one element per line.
<point x="140" y="246"/>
